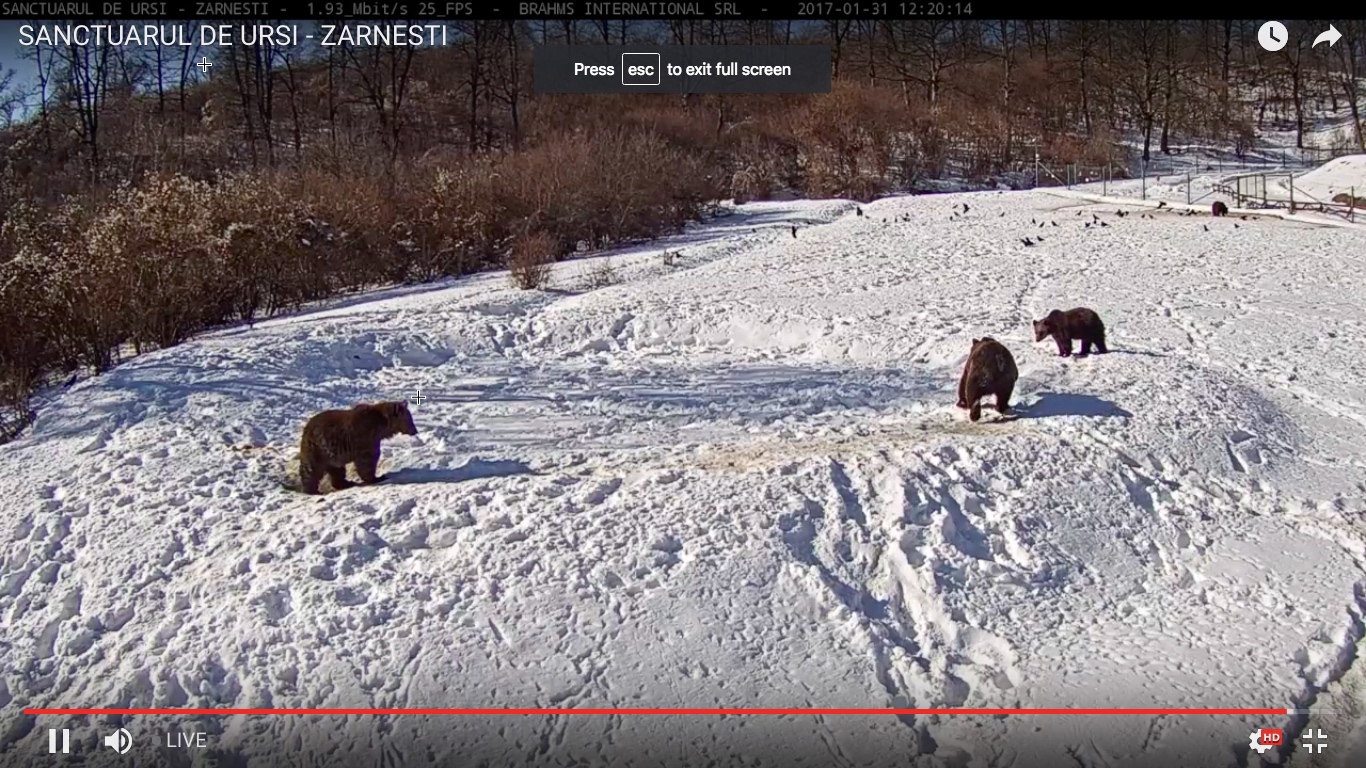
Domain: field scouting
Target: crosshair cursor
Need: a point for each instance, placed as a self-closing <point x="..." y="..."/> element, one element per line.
<point x="1332" y="36"/>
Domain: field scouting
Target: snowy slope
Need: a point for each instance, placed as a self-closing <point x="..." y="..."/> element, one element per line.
<point x="1335" y="177"/>
<point x="739" y="481"/>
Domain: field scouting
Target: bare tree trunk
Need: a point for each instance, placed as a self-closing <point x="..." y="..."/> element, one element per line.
<point x="1168" y="84"/>
<point x="1007" y="39"/>
<point x="87" y="75"/>
<point x="243" y="80"/>
<point x="1350" y="58"/>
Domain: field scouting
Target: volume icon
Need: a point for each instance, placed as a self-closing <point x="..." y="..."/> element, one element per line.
<point x="52" y="741"/>
<point x="120" y="741"/>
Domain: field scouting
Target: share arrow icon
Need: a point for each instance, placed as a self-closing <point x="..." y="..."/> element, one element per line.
<point x="1332" y="36"/>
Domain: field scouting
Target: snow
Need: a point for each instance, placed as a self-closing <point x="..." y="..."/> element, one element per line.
<point x="739" y="481"/>
<point x="1341" y="175"/>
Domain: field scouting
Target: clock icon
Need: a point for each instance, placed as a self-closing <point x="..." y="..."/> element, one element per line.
<point x="1273" y="36"/>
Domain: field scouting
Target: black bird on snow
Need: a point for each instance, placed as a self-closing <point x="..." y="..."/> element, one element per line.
<point x="1206" y="227"/>
<point x="1041" y="238"/>
<point x="1003" y="213"/>
<point x="1055" y="223"/>
<point x="1088" y="225"/>
<point x="859" y="210"/>
<point x="1095" y="217"/>
<point x="965" y="207"/>
<point x="1161" y="203"/>
<point x="1244" y="218"/>
<point x="1103" y="224"/>
<point x="1235" y="226"/>
<point x="794" y="231"/>
<point x="1041" y="225"/>
<point x="1027" y="241"/>
<point x="1032" y="221"/>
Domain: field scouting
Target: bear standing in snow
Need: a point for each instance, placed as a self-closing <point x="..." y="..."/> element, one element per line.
<point x="333" y="439"/>
<point x="1219" y="209"/>
<point x="1077" y="323"/>
<point x="990" y="370"/>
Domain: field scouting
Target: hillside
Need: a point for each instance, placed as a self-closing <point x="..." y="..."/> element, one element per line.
<point x="735" y="481"/>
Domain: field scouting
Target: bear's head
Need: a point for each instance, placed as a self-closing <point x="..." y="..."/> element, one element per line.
<point x="399" y="418"/>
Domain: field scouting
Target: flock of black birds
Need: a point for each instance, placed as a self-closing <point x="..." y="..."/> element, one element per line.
<point x="1098" y="222"/>
<point x="961" y="209"/>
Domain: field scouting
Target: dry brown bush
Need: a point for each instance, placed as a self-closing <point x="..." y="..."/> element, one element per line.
<point x="455" y="222"/>
<point x="848" y="156"/>
<point x="150" y="265"/>
<point x="747" y="184"/>
<point x="532" y="260"/>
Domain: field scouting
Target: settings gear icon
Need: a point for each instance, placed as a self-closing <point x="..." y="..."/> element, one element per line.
<point x="1255" y="742"/>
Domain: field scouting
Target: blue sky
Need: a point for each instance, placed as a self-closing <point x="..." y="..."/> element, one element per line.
<point x="11" y="53"/>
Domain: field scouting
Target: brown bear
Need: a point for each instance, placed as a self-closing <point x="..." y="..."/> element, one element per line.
<point x="1219" y="209"/>
<point x="990" y="370"/>
<point x="1077" y="323"/>
<point x="333" y="439"/>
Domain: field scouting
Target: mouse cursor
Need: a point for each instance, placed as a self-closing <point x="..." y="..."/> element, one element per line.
<point x="1332" y="36"/>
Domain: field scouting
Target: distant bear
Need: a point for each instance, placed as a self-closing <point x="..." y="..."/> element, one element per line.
<point x="333" y="439"/>
<point x="1077" y="323"/>
<point x="990" y="370"/>
<point x="1219" y="209"/>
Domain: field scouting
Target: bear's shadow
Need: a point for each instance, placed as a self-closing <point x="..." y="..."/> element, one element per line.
<point x="474" y="469"/>
<point x="1070" y="404"/>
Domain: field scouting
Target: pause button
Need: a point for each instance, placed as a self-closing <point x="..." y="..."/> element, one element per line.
<point x="52" y="741"/>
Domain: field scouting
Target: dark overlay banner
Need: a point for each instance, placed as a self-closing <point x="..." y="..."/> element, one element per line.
<point x="682" y="69"/>
<point x="419" y="11"/>
<point x="664" y="741"/>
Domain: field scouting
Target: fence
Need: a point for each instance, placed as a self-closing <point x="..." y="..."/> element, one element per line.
<point x="1249" y="190"/>
<point x="1246" y="189"/>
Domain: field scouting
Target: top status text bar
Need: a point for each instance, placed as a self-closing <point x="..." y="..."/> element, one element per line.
<point x="457" y="10"/>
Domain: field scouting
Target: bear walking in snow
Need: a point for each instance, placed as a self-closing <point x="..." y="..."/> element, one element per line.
<point x="333" y="439"/>
<point x="990" y="370"/>
<point x="1219" y="209"/>
<point x="1078" y="323"/>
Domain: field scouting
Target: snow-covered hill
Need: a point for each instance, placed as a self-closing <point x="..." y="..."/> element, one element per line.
<point x="736" y="481"/>
<point x="1344" y="175"/>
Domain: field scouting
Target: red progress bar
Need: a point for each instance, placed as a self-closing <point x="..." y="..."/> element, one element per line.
<point x="586" y="711"/>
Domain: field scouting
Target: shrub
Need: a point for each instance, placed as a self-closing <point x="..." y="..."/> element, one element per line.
<point x="531" y="261"/>
<point x="602" y="275"/>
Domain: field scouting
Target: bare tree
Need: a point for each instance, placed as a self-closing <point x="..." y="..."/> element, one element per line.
<point x="1351" y="58"/>
<point x="383" y="73"/>
<point x="86" y="70"/>
<point x="507" y="86"/>
<point x="1172" y="73"/>
<point x="1081" y="41"/>
<point x="922" y="52"/>
<point x="1295" y="69"/>
<point x="1140" y="81"/>
<point x="1006" y="36"/>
